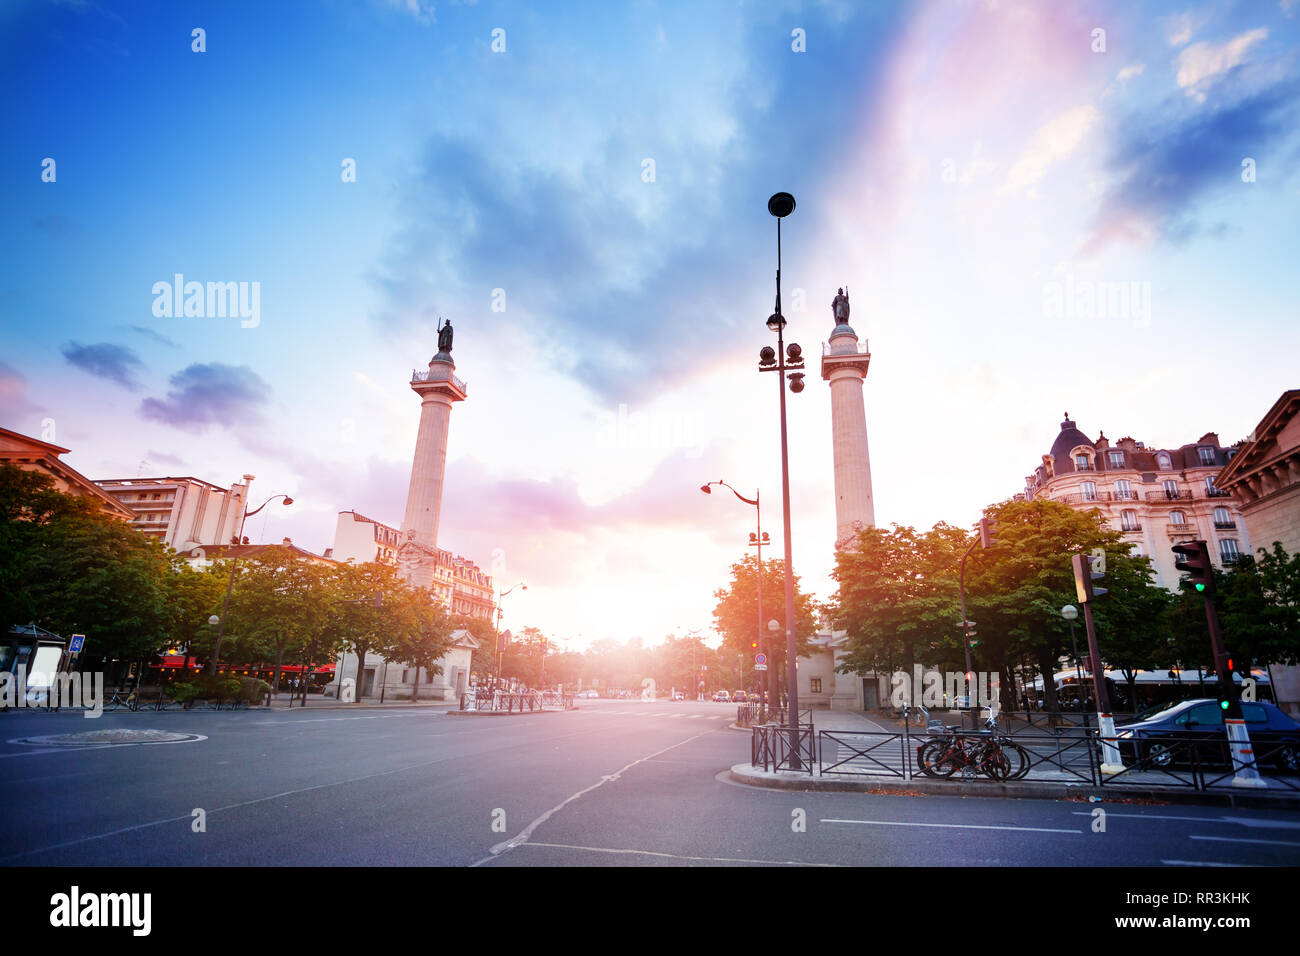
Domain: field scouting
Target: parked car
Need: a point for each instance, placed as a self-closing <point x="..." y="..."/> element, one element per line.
<point x="1164" y="736"/>
<point x="588" y="694"/>
<point x="722" y="696"/>
<point x="740" y="697"/>
<point x="678" y="695"/>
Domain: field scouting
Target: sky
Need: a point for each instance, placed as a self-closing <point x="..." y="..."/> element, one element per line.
<point x="1036" y="208"/>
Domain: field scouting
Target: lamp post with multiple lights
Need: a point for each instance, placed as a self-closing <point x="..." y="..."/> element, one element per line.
<point x="782" y="361"/>
<point x="756" y="540"/>
<point x="238" y="540"/>
<point x="497" y="656"/>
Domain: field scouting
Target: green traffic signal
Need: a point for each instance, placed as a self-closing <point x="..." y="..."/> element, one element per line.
<point x="1223" y="705"/>
<point x="1200" y="586"/>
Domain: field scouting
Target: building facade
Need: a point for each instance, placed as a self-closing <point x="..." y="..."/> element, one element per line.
<point x="1264" y="477"/>
<point x="32" y="454"/>
<point x="456" y="581"/>
<point x="1157" y="497"/>
<point x="185" y="513"/>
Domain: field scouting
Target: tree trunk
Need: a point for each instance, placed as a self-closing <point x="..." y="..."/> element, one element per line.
<point x="279" y="658"/>
<point x="1046" y="667"/>
<point x="415" y="694"/>
<point x="361" y="674"/>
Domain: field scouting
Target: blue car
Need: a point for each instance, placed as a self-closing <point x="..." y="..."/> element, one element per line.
<point x="1165" y="736"/>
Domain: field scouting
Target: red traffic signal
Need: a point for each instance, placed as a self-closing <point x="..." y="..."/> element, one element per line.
<point x="1194" y="558"/>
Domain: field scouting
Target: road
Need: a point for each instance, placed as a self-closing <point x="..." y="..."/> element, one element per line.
<point x="615" y="783"/>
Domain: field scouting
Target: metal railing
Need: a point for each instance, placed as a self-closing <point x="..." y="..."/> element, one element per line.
<point x="1069" y="753"/>
<point x="488" y="701"/>
<point x="749" y="715"/>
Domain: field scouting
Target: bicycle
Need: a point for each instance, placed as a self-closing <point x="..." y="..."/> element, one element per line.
<point x="129" y="701"/>
<point x="973" y="752"/>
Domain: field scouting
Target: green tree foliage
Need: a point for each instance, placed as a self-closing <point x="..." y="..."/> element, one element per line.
<point x="423" y="630"/>
<point x="736" y="616"/>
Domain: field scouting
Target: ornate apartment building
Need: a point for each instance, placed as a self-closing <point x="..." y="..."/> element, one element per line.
<point x="457" y="581"/>
<point x="1156" y="496"/>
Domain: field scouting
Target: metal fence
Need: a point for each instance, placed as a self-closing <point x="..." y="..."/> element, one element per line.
<point x="488" y="701"/>
<point x="1067" y="754"/>
<point x="751" y="715"/>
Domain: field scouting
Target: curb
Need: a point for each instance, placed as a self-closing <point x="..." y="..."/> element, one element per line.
<point x="500" y="713"/>
<point x="744" y="774"/>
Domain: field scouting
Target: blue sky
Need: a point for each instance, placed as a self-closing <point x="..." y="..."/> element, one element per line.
<point x="955" y="164"/>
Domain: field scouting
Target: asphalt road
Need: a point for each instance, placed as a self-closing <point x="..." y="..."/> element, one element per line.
<point x="616" y="783"/>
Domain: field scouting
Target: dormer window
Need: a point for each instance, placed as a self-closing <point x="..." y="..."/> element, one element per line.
<point x="1207" y="455"/>
<point x="1116" y="459"/>
<point x="1081" y="462"/>
<point x="1163" y="461"/>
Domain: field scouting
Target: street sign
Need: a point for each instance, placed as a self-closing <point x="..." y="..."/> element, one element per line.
<point x="76" y="644"/>
<point x="760" y="658"/>
<point x="760" y="667"/>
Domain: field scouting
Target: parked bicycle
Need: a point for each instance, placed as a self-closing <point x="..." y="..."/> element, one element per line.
<point x="986" y="752"/>
<point x="119" y="699"/>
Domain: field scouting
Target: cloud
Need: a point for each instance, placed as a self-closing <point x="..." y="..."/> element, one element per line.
<point x="1129" y="72"/>
<point x="1053" y="141"/>
<point x="421" y="10"/>
<point x="212" y="394"/>
<point x="14" y="406"/>
<point x="105" y="360"/>
<point x="150" y="334"/>
<point x="1180" y="27"/>
<point x="1160" y="174"/>
<point x="1201" y="64"/>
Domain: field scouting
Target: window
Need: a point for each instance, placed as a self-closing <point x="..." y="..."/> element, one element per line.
<point x="1117" y="459"/>
<point x="1177" y="517"/>
<point x="1163" y="460"/>
<point x="1081" y="462"/>
<point x="1207" y="455"/>
<point x="1254" y="713"/>
<point x="1203" y="715"/>
<point x="1222" y="519"/>
<point x="1228" y="552"/>
<point x="1089" y="491"/>
<point x="816" y="685"/>
<point x="1128" y="521"/>
<point x="1123" y="490"/>
<point x="1171" y="488"/>
<point x="1210" y="490"/>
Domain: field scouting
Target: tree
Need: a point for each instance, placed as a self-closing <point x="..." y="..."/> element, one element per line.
<point x="423" y="629"/>
<point x="276" y="608"/>
<point x="735" y="616"/>
<point x="357" y="618"/>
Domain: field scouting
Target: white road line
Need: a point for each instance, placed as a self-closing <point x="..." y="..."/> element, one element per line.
<point x="1240" y="821"/>
<point x="1199" y="863"/>
<point x="526" y="832"/>
<point x="953" y="826"/>
<point x="676" y="856"/>
<point x="233" y="806"/>
<point x="1219" y="839"/>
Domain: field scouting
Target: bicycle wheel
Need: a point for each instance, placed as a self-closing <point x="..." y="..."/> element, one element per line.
<point x="939" y="758"/>
<point x="1019" y="757"/>
<point x="995" y="763"/>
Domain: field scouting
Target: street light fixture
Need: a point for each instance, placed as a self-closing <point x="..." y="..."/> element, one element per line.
<point x="239" y="539"/>
<point x="497" y="654"/>
<point x="784" y="360"/>
<point x="756" y="540"/>
<point x="1071" y="614"/>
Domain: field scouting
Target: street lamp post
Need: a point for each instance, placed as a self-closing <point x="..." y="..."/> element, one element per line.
<point x="225" y="605"/>
<point x="782" y="362"/>
<point x="756" y="540"/>
<point x="1071" y="614"/>
<point x="497" y="655"/>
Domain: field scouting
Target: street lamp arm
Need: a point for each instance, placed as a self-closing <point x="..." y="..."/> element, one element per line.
<point x="748" y="501"/>
<point x="287" y="501"/>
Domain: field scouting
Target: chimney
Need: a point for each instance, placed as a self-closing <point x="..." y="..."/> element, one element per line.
<point x="288" y="542"/>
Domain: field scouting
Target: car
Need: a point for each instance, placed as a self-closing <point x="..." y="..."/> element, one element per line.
<point x="1164" y="736"/>
<point x="678" y="695"/>
<point x="588" y="694"/>
<point x="722" y="697"/>
<point x="740" y="697"/>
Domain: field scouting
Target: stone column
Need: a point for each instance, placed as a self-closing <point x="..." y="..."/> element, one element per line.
<point x="438" y="388"/>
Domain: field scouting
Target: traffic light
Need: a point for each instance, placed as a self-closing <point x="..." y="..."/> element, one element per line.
<point x="1084" y="575"/>
<point x="971" y="638"/>
<point x="753" y="645"/>
<point x="988" y="532"/>
<point x="1194" y="558"/>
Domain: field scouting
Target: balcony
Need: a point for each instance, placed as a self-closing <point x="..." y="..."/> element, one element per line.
<point x="1232" y="558"/>
<point x="1225" y="526"/>
<point x="1131" y="527"/>
<point x="1219" y="493"/>
<point x="1126" y="496"/>
<point x="1183" y="528"/>
<point x="1168" y="495"/>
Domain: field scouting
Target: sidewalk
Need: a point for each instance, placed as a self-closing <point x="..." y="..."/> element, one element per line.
<point x="317" y="702"/>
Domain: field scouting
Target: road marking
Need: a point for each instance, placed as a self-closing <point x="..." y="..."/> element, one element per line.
<point x="676" y="856"/>
<point x="1219" y="839"/>
<point x="953" y="826"/>
<point x="526" y="832"/>
<point x="1200" y="863"/>
<point x="1240" y="821"/>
